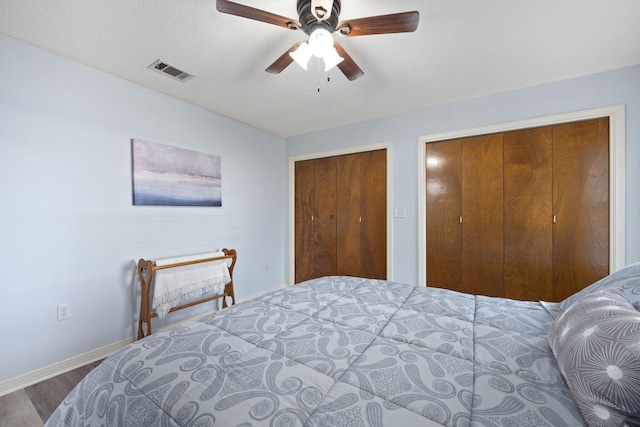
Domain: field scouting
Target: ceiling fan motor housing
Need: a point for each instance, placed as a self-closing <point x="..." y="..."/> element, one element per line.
<point x="309" y="22"/>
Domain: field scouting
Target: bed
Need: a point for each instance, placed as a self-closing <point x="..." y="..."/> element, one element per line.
<point x="347" y="351"/>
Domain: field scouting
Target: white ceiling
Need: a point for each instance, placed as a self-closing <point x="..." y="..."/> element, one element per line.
<point x="462" y="49"/>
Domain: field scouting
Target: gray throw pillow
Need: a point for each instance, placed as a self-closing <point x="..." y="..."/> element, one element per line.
<point x="596" y="342"/>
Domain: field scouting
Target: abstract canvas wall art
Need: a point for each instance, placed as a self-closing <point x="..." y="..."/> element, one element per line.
<point x="171" y="176"/>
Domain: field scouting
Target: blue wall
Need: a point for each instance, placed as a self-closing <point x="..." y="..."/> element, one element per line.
<point x="620" y="86"/>
<point x="69" y="232"/>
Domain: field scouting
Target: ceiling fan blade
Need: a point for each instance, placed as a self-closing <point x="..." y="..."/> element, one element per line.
<point x="348" y="67"/>
<point x="282" y="62"/>
<point x="404" y="22"/>
<point x="237" y="9"/>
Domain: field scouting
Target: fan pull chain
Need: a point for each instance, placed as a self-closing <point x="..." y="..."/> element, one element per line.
<point x="319" y="72"/>
<point x="318" y="63"/>
<point x="328" y="81"/>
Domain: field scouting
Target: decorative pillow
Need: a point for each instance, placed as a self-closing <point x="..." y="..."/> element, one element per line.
<point x="627" y="278"/>
<point x="596" y="342"/>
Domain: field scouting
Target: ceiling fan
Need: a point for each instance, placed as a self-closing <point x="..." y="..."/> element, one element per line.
<point x="319" y="20"/>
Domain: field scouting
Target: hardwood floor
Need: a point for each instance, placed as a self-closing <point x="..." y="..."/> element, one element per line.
<point x="32" y="406"/>
<point x="16" y="410"/>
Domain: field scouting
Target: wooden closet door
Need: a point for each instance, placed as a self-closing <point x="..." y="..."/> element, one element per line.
<point x="304" y="181"/>
<point x="315" y="218"/>
<point x="324" y="229"/>
<point x="528" y="239"/>
<point x="443" y="208"/>
<point x="581" y="205"/>
<point x="341" y="216"/>
<point x="373" y="226"/>
<point x="362" y="217"/>
<point x="349" y="200"/>
<point x="482" y="215"/>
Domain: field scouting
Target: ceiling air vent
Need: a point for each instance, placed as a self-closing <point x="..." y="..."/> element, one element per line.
<point x="170" y="70"/>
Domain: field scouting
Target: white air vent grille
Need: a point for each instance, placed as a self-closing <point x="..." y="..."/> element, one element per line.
<point x="170" y="70"/>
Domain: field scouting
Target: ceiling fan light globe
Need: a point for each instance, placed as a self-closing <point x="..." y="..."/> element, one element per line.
<point x="331" y="59"/>
<point x="302" y="55"/>
<point x="321" y="42"/>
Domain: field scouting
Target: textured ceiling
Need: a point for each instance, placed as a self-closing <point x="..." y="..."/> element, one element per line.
<point x="462" y="49"/>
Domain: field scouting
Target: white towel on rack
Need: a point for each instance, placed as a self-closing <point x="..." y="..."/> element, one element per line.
<point x="190" y="281"/>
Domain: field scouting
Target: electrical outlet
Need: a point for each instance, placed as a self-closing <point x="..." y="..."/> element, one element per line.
<point x="264" y="266"/>
<point x="64" y="311"/>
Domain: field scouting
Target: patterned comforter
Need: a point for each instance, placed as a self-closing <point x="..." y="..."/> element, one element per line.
<point x="338" y="351"/>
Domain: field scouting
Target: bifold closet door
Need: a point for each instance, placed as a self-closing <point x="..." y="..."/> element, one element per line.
<point x="373" y="208"/>
<point x="444" y="209"/>
<point x="341" y="216"/>
<point x="349" y="199"/>
<point x="528" y="225"/>
<point x="482" y="215"/>
<point x="534" y="222"/>
<point x="465" y="215"/>
<point x="304" y="202"/>
<point x="362" y="214"/>
<point x="315" y="218"/>
<point x="581" y="205"/>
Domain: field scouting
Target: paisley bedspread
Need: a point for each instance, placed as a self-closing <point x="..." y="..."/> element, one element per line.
<point x="338" y="351"/>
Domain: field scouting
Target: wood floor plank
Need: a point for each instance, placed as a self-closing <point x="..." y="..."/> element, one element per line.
<point x="47" y="395"/>
<point x="16" y="410"/>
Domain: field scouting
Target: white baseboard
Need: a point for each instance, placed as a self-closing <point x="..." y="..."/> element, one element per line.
<point x="34" y="377"/>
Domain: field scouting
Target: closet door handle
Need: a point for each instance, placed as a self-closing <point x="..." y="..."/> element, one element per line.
<point x="555" y="218"/>
<point x="460" y="219"/>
